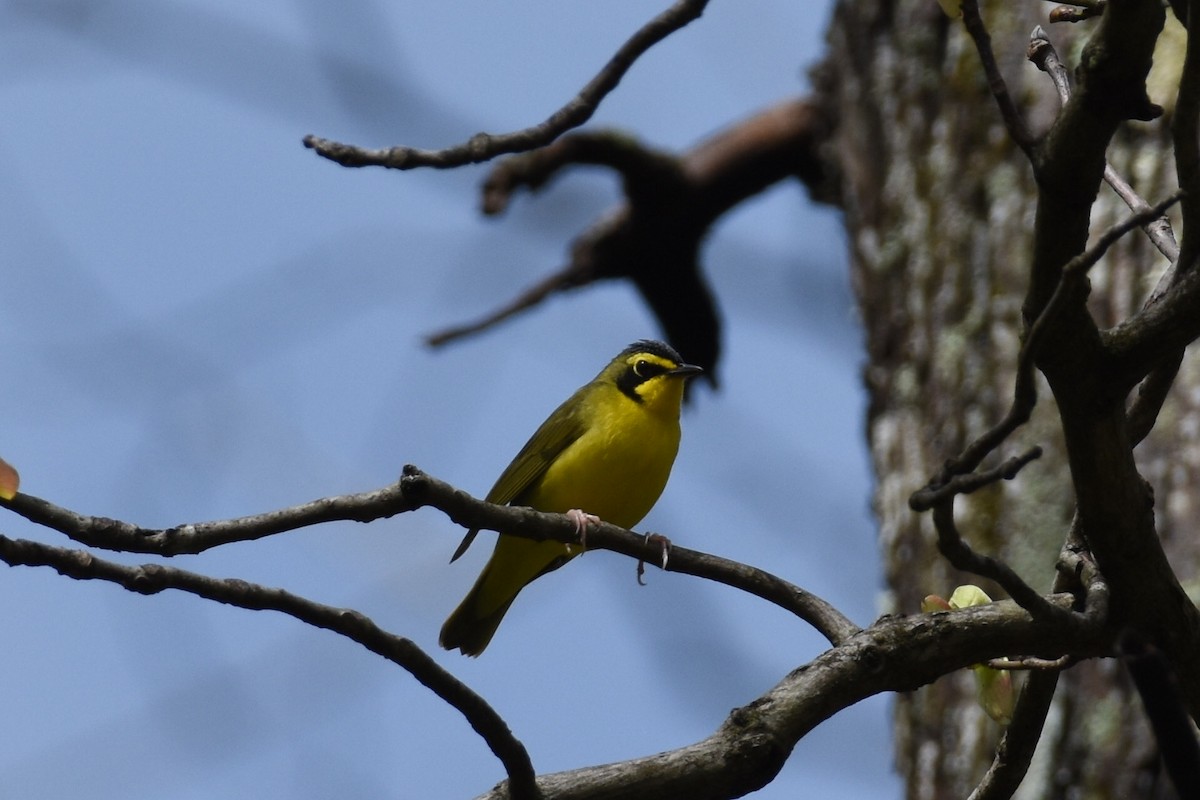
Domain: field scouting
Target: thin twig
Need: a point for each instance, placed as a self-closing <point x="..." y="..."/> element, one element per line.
<point x="1157" y="229"/>
<point x="568" y="276"/>
<point x="961" y="556"/>
<point x="970" y="482"/>
<point x="1075" y="269"/>
<point x="485" y="146"/>
<point x="154" y="578"/>
<point x="1045" y="57"/>
<point x="1013" y="120"/>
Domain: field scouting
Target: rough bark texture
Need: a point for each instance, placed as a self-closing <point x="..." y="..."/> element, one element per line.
<point x="939" y="208"/>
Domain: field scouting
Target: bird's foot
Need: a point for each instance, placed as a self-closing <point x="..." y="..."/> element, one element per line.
<point x="660" y="540"/>
<point x="582" y="519"/>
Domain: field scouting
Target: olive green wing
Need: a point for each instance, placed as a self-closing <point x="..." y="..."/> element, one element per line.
<point x="554" y="436"/>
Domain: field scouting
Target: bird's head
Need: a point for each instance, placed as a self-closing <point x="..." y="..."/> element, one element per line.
<point x="650" y="373"/>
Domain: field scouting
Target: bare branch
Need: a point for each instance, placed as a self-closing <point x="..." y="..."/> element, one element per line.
<point x="568" y="277"/>
<point x="153" y="578"/>
<point x="1031" y="664"/>
<point x="641" y="168"/>
<point x="1013" y="120"/>
<point x="1077" y="572"/>
<point x="111" y="534"/>
<point x="1165" y="708"/>
<point x="414" y="490"/>
<point x="1087" y="259"/>
<point x="1152" y="393"/>
<point x="1045" y="57"/>
<point x="1020" y="740"/>
<point x="956" y="483"/>
<point x="961" y="556"/>
<point x="526" y="522"/>
<point x="1185" y="131"/>
<point x="485" y="146"/>
<point x="955" y="476"/>
<point x="894" y="654"/>
<point x="654" y="238"/>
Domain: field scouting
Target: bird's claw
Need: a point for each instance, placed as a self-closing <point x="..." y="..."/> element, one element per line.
<point x="665" y="543"/>
<point x="581" y="519"/>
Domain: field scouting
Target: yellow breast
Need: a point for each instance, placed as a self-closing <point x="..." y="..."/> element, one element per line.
<point x="618" y="468"/>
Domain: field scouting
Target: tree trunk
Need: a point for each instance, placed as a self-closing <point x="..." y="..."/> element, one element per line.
<point x="939" y="204"/>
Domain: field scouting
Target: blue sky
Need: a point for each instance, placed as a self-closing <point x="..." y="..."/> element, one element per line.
<point x="204" y="320"/>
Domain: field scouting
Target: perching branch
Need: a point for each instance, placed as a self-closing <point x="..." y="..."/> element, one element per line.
<point x="153" y="578"/>
<point x="414" y="490"/>
<point x="897" y="653"/>
<point x="485" y="146"/>
<point x="468" y="512"/>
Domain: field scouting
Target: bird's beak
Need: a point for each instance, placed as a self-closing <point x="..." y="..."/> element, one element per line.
<point x="686" y="370"/>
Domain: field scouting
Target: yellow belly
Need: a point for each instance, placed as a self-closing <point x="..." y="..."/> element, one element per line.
<point x="616" y="470"/>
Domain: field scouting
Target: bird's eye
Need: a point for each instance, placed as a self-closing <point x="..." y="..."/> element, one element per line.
<point x="642" y="369"/>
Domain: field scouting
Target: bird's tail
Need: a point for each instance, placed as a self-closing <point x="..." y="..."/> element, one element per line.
<point x="515" y="563"/>
<point x="468" y="630"/>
